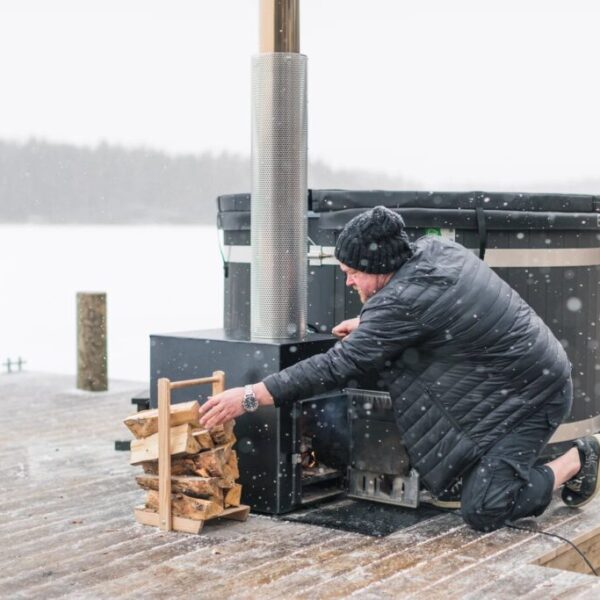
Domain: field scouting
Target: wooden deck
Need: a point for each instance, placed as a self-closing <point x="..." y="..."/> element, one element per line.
<point x="67" y="527"/>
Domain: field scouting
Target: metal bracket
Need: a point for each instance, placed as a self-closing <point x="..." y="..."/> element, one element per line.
<point x="322" y="255"/>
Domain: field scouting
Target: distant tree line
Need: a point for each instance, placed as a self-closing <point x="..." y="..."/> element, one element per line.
<point x="42" y="182"/>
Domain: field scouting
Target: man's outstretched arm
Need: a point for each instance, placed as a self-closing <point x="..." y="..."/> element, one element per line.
<point x="381" y="336"/>
<point x="228" y="405"/>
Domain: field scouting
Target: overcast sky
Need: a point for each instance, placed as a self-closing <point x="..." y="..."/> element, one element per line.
<point x="454" y="94"/>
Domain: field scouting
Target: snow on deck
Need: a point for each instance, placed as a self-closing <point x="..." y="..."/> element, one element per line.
<point x="67" y="527"/>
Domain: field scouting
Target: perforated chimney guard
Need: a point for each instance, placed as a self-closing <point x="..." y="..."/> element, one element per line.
<point x="279" y="187"/>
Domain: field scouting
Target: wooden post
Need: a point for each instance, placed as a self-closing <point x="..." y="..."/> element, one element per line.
<point x="164" y="454"/>
<point x="92" y="372"/>
<point x="218" y="386"/>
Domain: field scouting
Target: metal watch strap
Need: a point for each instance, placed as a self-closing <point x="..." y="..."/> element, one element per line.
<point x="251" y="396"/>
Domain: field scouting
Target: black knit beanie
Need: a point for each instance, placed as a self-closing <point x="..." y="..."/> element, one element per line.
<point x="374" y="242"/>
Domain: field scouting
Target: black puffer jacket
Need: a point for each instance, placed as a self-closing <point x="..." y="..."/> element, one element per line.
<point x="463" y="356"/>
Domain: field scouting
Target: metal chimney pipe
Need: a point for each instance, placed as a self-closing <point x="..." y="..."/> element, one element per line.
<point x="279" y="189"/>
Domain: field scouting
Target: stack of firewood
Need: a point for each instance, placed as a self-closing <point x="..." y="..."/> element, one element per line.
<point x="204" y="466"/>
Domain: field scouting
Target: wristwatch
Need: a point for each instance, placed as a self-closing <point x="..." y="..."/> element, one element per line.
<point x="249" y="403"/>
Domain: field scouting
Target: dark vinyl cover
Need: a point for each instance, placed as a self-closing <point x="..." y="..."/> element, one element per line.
<point x="459" y="210"/>
<point x="334" y="200"/>
<point x="328" y="200"/>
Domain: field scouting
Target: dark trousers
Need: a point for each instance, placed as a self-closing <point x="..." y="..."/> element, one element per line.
<point x="505" y="485"/>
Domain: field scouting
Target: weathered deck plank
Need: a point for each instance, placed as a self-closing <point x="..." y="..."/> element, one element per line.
<point x="67" y="528"/>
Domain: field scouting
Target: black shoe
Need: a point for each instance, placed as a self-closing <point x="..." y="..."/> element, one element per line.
<point x="580" y="490"/>
<point x="449" y="498"/>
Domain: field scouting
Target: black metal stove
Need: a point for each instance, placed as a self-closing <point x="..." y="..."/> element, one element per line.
<point x="345" y="442"/>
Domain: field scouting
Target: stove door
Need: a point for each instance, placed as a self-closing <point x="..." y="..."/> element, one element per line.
<point x="379" y="466"/>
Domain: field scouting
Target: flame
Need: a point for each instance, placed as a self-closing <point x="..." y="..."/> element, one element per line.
<point x="309" y="459"/>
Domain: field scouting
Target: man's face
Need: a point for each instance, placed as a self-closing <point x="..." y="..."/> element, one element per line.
<point x="366" y="284"/>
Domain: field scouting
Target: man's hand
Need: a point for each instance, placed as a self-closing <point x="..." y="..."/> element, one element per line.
<point x="345" y="328"/>
<point x="228" y="405"/>
<point x="221" y="408"/>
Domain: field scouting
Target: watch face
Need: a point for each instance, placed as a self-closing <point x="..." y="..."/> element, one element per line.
<point x="250" y="403"/>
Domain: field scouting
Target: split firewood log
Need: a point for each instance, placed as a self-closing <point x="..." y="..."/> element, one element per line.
<point x="210" y="463"/>
<point x="181" y="441"/>
<point x="233" y="495"/>
<point x="223" y="434"/>
<point x="145" y="423"/>
<point x="207" y="488"/>
<point x="185" y="506"/>
<point x="179" y="467"/>
<point x="231" y="470"/>
<point x="203" y="438"/>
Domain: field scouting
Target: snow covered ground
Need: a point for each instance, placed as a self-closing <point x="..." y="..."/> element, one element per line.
<point x="157" y="279"/>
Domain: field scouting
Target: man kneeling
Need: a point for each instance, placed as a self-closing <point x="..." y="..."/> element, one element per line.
<point x="478" y="382"/>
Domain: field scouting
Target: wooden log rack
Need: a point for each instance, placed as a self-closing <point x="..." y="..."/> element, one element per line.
<point x="164" y="519"/>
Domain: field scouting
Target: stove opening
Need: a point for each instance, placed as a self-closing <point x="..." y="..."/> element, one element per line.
<point x="322" y="446"/>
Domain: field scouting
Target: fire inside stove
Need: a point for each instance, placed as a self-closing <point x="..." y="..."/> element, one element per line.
<point x="322" y="438"/>
<point x="312" y="469"/>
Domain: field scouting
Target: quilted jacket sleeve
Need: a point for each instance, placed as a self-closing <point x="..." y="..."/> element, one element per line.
<point x="384" y="332"/>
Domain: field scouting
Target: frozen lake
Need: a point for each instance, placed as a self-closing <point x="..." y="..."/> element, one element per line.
<point x="157" y="279"/>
